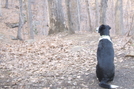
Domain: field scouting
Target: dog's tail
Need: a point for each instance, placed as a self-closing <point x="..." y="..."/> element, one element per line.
<point x="104" y="84"/>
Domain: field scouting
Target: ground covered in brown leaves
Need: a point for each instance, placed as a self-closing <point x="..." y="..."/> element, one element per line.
<point x="61" y="62"/>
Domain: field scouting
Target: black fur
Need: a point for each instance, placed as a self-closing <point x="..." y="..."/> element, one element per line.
<point x="105" y="68"/>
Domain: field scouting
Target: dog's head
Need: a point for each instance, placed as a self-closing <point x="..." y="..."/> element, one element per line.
<point x="103" y="29"/>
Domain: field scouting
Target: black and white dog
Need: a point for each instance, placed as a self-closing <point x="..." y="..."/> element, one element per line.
<point x="105" y="68"/>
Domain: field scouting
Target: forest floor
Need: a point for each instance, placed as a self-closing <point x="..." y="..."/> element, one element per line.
<point x="61" y="62"/>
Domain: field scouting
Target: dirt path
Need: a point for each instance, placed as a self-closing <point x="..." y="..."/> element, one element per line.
<point x="60" y="63"/>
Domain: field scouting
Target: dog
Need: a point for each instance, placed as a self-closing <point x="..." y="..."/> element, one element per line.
<point x="105" y="69"/>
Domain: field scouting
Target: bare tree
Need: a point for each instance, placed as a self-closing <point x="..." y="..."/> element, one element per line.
<point x="70" y="28"/>
<point x="60" y="17"/>
<point x="6" y="5"/>
<point x="29" y="17"/>
<point x="132" y="27"/>
<point x="96" y="13"/>
<point x="0" y="9"/>
<point x="103" y="11"/>
<point x="127" y="15"/>
<point x="52" y="18"/>
<point x="46" y="18"/>
<point x="132" y="22"/>
<point x="56" y="16"/>
<point x="119" y="17"/>
<point x="88" y="12"/>
<point x="21" y="22"/>
<point x="30" y="21"/>
<point x="132" y="18"/>
<point x="79" y="16"/>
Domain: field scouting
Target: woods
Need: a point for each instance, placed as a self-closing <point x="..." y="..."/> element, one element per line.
<point x="53" y="16"/>
<point x="52" y="44"/>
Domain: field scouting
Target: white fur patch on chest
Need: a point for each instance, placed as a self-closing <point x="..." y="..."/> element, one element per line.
<point x="105" y="37"/>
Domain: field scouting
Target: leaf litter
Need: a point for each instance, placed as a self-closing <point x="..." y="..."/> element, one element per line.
<point x="57" y="62"/>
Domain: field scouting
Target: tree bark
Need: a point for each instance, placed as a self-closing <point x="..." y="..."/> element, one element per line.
<point x="127" y="9"/>
<point x="46" y="18"/>
<point x="119" y="18"/>
<point x="69" y="21"/>
<point x="0" y="9"/>
<point x="88" y="13"/>
<point x="21" y="22"/>
<point x="103" y="11"/>
<point x="52" y="18"/>
<point x="60" y="17"/>
<point x="56" y="16"/>
<point x="6" y="5"/>
<point x="30" y="21"/>
<point x="79" y="16"/>
<point x="96" y="13"/>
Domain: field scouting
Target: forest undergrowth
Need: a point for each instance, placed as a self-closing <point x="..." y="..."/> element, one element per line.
<point x="61" y="62"/>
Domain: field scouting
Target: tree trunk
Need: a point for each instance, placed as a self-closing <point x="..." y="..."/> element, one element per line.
<point x="132" y="19"/>
<point x="79" y="16"/>
<point x="52" y="18"/>
<point x="46" y="18"/>
<point x="60" y="17"/>
<point x="30" y="21"/>
<point x="119" y="18"/>
<point x="21" y="22"/>
<point x="96" y="13"/>
<point x="103" y="11"/>
<point x="56" y="16"/>
<point x="0" y="9"/>
<point x="6" y="5"/>
<point x="127" y="10"/>
<point x="69" y="21"/>
<point x="88" y="13"/>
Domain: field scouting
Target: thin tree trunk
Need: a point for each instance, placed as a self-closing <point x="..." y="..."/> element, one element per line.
<point x="6" y="5"/>
<point x="132" y="27"/>
<point x="30" y="20"/>
<point x="103" y="11"/>
<point x="127" y="9"/>
<point x="48" y="23"/>
<point x="60" y="19"/>
<point x="70" y="30"/>
<point x="131" y="19"/>
<point x="79" y="16"/>
<point x="119" y="18"/>
<point x="49" y="14"/>
<point x="0" y="8"/>
<point x="88" y="13"/>
<point x="96" y="14"/>
<point x="113" y="16"/>
<point x="131" y="31"/>
<point x="27" y="16"/>
<point x="46" y="18"/>
<point x="21" y="22"/>
<point x="52" y="18"/>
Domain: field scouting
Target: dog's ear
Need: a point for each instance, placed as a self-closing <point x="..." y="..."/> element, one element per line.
<point x="102" y="26"/>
